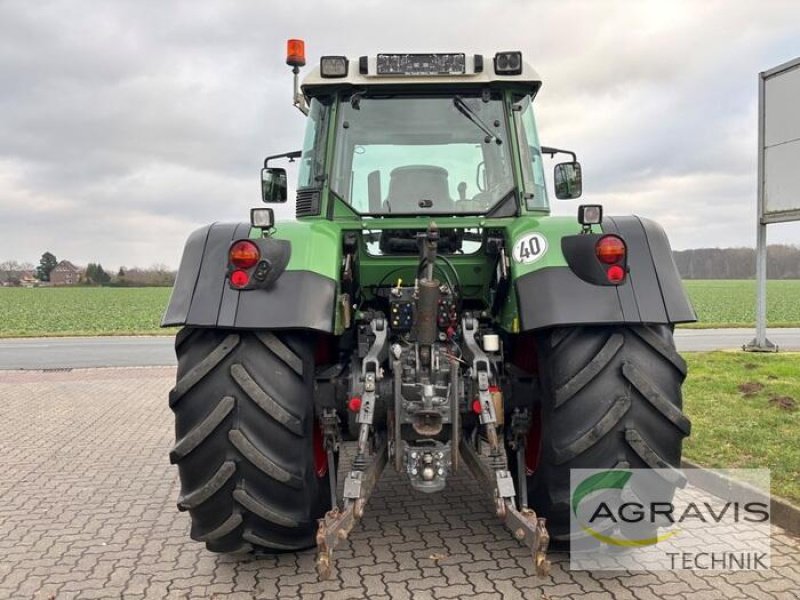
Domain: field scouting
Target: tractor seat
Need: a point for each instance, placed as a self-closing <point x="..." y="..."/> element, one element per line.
<point x="418" y="188"/>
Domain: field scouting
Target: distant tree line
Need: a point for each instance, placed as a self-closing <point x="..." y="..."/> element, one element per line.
<point x="96" y="275"/>
<point x="155" y="276"/>
<point x="783" y="262"/>
<point x="14" y="273"/>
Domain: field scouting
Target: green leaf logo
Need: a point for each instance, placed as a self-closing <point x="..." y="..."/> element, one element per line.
<point x="610" y="480"/>
<point x="604" y="480"/>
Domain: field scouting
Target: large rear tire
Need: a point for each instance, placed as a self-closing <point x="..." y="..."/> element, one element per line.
<point x="244" y="424"/>
<point x="612" y="399"/>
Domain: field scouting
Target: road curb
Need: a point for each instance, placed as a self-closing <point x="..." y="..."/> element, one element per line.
<point x="782" y="512"/>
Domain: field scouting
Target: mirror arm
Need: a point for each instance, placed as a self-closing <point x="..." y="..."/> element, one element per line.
<point x="553" y="151"/>
<point x="290" y="155"/>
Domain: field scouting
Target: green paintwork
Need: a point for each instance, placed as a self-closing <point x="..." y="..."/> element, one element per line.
<point x="316" y="243"/>
<point x="317" y="246"/>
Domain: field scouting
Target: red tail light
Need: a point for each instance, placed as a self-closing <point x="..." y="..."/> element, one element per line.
<point x="610" y="249"/>
<point x="244" y="254"/>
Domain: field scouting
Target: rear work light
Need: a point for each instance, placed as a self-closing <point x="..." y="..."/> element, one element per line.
<point x="243" y="254"/>
<point x="508" y="63"/>
<point x="333" y="66"/>
<point x="590" y="214"/>
<point x="610" y="249"/>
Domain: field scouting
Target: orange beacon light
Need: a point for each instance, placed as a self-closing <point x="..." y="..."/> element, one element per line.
<point x="295" y="53"/>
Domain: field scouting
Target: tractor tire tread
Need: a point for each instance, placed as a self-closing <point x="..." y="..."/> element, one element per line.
<point x="263" y="509"/>
<point x="244" y="419"/>
<point x="592" y="369"/>
<point x="598" y="431"/>
<point x="226" y="527"/>
<point x="264" y="400"/>
<point x="611" y="399"/>
<point x="281" y="350"/>
<point x="261" y="461"/>
<point x="203" y="368"/>
<point x="661" y="346"/>
<point x="655" y="397"/>
<point x="196" y="436"/>
<point x="198" y="496"/>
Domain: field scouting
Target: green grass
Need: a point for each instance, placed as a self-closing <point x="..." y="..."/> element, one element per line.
<point x="732" y="429"/>
<point x="137" y="311"/>
<point x="82" y="311"/>
<point x="731" y="303"/>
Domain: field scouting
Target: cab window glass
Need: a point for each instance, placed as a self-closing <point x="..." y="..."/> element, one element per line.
<point x="534" y="190"/>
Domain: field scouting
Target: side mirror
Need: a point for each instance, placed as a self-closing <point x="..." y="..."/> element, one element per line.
<point x="273" y="185"/>
<point x="568" y="181"/>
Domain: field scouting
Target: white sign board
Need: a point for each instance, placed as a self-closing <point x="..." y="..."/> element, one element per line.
<point x="778" y="173"/>
<point x="779" y="143"/>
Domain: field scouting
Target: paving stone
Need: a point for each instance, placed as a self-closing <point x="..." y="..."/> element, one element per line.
<point x="87" y="510"/>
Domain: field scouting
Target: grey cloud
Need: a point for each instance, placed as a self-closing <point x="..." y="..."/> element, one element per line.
<point x="124" y="125"/>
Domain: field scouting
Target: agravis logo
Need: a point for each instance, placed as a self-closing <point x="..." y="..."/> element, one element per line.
<point x="611" y="480"/>
<point x="665" y="519"/>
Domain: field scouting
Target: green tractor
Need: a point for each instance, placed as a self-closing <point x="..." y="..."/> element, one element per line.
<point x="423" y="305"/>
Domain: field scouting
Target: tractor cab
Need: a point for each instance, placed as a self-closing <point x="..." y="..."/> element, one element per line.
<point x="419" y="135"/>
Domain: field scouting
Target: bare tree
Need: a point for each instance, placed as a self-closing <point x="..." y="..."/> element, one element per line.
<point x="783" y="262"/>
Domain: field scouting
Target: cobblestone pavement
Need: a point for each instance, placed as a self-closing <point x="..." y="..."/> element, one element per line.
<point x="87" y="510"/>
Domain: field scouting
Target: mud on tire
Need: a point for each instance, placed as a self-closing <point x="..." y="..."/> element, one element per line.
<point x="612" y="398"/>
<point x="243" y="405"/>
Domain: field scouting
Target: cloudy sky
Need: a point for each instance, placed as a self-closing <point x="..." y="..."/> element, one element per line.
<point x="125" y="125"/>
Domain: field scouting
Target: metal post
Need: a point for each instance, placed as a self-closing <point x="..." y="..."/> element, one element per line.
<point x="761" y="343"/>
<point x="298" y="99"/>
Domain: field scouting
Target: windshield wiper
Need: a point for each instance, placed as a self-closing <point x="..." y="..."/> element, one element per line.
<point x="465" y="110"/>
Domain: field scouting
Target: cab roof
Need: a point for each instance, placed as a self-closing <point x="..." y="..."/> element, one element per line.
<point x="478" y="71"/>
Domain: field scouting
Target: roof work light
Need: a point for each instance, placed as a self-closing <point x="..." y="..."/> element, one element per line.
<point x="333" y="66"/>
<point x="590" y="214"/>
<point x="508" y="63"/>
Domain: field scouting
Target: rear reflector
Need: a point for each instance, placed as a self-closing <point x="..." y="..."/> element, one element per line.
<point x="239" y="278"/>
<point x="615" y="274"/>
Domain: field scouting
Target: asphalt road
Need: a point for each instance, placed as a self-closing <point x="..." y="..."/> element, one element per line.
<point x="86" y="352"/>
<point x="153" y="351"/>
